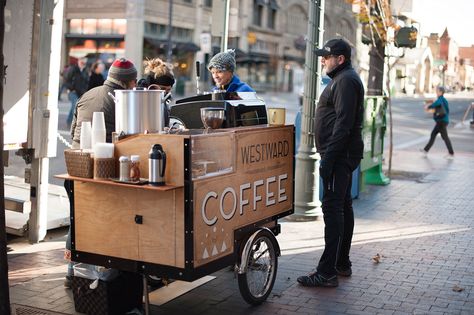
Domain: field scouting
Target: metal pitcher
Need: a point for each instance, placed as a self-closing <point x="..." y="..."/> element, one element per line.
<point x="156" y="165"/>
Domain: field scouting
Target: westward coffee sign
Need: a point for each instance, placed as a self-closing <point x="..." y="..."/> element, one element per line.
<point x="260" y="187"/>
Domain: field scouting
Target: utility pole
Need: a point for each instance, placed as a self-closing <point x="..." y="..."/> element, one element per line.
<point x="4" y="290"/>
<point x="376" y="68"/>
<point x="307" y="204"/>
<point x="170" y="31"/>
<point x="220" y="21"/>
<point x="225" y="35"/>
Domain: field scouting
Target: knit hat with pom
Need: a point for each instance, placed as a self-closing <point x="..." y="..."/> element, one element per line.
<point x="223" y="61"/>
<point x="123" y="70"/>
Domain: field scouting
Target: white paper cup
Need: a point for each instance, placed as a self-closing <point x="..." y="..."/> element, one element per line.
<point x="97" y="136"/>
<point x="85" y="140"/>
<point x="98" y="121"/>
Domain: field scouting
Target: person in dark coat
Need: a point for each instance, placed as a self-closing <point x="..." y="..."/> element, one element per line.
<point x="76" y="81"/>
<point x="96" y="78"/>
<point x="441" y="122"/>
<point x="122" y="76"/>
<point x="222" y="68"/>
<point x="338" y="138"/>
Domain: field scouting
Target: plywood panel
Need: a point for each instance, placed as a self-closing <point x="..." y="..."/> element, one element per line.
<point x="173" y="145"/>
<point x="261" y="187"/>
<point x="179" y="227"/>
<point x="156" y="235"/>
<point x="104" y="220"/>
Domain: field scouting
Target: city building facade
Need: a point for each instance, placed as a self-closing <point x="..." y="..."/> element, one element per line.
<point x="269" y="36"/>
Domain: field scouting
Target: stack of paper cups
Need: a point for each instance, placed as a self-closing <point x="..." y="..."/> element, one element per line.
<point x="85" y="141"/>
<point x="98" y="128"/>
<point x="103" y="150"/>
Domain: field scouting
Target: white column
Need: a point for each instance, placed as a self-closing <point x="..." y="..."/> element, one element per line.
<point x="135" y="31"/>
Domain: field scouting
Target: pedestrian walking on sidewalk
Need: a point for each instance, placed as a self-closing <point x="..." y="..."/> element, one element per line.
<point x="338" y="139"/>
<point x="77" y="81"/>
<point x="96" y="78"/>
<point x="440" y="108"/>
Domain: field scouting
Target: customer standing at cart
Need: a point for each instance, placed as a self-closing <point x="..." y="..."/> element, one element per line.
<point x="338" y="138"/>
<point x="122" y="76"/>
<point x="222" y="67"/>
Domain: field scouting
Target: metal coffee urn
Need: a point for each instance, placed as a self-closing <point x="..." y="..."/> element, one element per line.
<point x="156" y="166"/>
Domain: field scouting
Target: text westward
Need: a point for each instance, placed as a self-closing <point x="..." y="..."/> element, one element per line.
<point x="264" y="151"/>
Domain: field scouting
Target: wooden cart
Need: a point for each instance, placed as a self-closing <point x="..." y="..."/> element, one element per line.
<point x="225" y="190"/>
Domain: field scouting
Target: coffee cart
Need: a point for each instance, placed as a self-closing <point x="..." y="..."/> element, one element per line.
<point x="225" y="190"/>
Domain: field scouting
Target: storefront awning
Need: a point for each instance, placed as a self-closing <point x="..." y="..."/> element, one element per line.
<point x="176" y="46"/>
<point x="118" y="37"/>
<point x="254" y="57"/>
<point x="240" y="55"/>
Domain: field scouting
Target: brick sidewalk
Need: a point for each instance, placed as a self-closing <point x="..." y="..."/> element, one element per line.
<point x="421" y="225"/>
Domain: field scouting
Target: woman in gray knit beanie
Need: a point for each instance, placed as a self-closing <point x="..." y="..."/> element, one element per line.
<point x="222" y="67"/>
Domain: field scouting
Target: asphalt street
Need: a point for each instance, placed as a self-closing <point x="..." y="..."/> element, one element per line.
<point x="411" y="127"/>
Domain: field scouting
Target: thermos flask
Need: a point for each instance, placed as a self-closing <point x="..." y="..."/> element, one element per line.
<point x="156" y="166"/>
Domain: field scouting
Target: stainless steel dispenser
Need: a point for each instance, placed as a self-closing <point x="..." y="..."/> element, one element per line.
<point x="156" y="165"/>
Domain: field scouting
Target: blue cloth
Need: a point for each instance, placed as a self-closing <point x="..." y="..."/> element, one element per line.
<point x="441" y="101"/>
<point x="236" y="85"/>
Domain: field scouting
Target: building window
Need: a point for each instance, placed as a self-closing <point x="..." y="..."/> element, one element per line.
<point x="104" y="26"/>
<point x="258" y="12"/>
<point x="160" y="31"/>
<point x="188" y="1"/>
<point x="271" y="18"/>
<point x="208" y="3"/>
<point x="297" y="20"/>
<point x="89" y="26"/>
<point x="119" y="26"/>
<point x="98" y="26"/>
<point x="75" y="26"/>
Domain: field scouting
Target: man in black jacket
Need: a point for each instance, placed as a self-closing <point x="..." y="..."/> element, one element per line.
<point x="338" y="126"/>
<point x="77" y="82"/>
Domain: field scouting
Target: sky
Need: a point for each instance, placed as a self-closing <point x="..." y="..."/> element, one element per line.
<point x="457" y="15"/>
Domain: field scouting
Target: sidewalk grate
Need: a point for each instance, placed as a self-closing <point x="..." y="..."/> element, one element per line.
<point x="29" y="310"/>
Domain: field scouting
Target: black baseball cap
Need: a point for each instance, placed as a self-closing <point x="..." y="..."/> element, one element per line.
<point x="335" y="47"/>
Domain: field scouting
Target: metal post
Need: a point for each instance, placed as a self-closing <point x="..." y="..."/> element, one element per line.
<point x="170" y="30"/>
<point x="225" y="34"/>
<point x="307" y="204"/>
<point x="44" y="110"/>
<point x="4" y="289"/>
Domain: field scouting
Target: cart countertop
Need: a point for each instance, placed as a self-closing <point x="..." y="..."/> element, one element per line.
<point x="113" y="183"/>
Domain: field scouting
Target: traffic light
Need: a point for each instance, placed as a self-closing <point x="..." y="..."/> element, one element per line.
<point x="406" y="37"/>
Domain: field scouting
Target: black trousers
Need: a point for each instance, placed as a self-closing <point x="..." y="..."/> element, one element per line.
<point x="338" y="217"/>
<point x="442" y="128"/>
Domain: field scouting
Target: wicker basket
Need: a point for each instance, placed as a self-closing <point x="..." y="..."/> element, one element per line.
<point x="78" y="163"/>
<point x="104" y="168"/>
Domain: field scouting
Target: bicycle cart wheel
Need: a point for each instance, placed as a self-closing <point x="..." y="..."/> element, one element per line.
<point x="259" y="263"/>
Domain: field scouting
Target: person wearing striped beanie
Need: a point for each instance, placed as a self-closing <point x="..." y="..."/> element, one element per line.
<point x="122" y="72"/>
<point x="122" y="75"/>
<point x="222" y="67"/>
